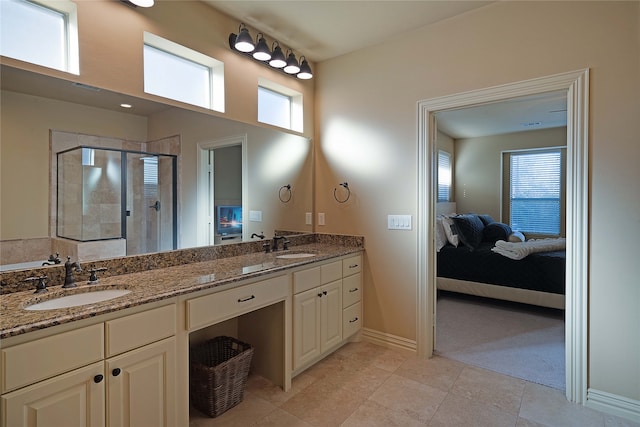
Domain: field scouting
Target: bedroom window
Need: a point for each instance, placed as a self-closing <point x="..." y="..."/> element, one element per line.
<point x="444" y="176"/>
<point x="42" y="32"/>
<point x="535" y="199"/>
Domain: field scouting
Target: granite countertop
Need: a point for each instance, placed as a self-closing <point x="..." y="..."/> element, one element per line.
<point x="154" y="285"/>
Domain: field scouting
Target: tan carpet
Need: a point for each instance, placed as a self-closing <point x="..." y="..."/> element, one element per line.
<point x="518" y="340"/>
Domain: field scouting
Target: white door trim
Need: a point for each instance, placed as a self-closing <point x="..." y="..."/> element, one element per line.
<point x="202" y="187"/>
<point x="576" y="83"/>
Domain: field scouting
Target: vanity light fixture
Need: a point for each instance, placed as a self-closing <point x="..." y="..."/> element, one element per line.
<point x="243" y="41"/>
<point x="277" y="57"/>
<point x="126" y="105"/>
<point x="305" y="70"/>
<point x="140" y="3"/>
<point x="292" y="66"/>
<point x="261" y="52"/>
<point x="274" y="58"/>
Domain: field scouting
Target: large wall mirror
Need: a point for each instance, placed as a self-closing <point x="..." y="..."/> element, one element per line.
<point x="230" y="179"/>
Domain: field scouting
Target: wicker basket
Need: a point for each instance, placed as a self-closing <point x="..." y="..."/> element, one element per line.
<point x="218" y="374"/>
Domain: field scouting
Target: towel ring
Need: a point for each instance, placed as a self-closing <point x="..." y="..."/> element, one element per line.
<point x="287" y="192"/>
<point x="346" y="186"/>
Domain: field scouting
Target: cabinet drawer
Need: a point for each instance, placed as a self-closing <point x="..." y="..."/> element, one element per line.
<point x="351" y="290"/>
<point x="214" y="308"/>
<point x="136" y="330"/>
<point x="34" y="361"/>
<point x="330" y="272"/>
<point x="351" y="320"/>
<point x="351" y="265"/>
<point x="306" y="279"/>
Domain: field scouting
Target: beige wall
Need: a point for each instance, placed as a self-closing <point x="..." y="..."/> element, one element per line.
<point x="479" y="166"/>
<point x="367" y="132"/>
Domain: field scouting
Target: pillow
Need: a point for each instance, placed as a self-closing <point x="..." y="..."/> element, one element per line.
<point x="441" y="236"/>
<point x="450" y="231"/>
<point x="516" y="237"/>
<point x="496" y="231"/>
<point x="469" y="228"/>
<point x="486" y="219"/>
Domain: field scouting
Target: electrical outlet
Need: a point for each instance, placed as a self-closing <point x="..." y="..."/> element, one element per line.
<point x="320" y="218"/>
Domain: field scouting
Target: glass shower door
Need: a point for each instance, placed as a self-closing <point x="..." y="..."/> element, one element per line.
<point x="150" y="214"/>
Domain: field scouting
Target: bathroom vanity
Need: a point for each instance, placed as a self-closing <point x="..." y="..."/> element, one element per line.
<point x="125" y="361"/>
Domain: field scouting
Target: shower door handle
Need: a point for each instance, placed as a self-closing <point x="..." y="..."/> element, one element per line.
<point x="156" y="206"/>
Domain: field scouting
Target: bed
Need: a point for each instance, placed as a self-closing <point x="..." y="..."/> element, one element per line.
<point x="472" y="267"/>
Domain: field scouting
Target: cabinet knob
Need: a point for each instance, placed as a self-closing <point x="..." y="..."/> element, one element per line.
<point x="324" y="292"/>
<point x="116" y="372"/>
<point x="98" y="378"/>
<point x="320" y="294"/>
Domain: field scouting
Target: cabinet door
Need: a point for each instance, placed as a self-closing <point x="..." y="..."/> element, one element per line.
<point x="75" y="399"/>
<point x="141" y="386"/>
<point x="331" y="315"/>
<point x="306" y="326"/>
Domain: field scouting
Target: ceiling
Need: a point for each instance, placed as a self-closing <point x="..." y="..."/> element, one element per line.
<point x="324" y="29"/>
<point x="534" y="112"/>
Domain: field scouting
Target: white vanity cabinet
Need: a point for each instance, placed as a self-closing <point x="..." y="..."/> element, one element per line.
<point x="115" y="373"/>
<point x="55" y="381"/>
<point x="321" y="306"/>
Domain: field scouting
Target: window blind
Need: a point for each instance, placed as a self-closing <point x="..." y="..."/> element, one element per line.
<point x="444" y="176"/>
<point x="535" y="191"/>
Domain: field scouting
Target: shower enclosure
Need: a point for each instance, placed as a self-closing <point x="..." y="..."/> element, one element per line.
<point x="108" y="194"/>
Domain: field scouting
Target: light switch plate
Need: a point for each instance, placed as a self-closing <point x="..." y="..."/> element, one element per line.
<point x="399" y="222"/>
<point x="308" y="217"/>
<point x="255" y="216"/>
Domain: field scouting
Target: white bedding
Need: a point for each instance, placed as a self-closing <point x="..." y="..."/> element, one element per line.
<point x="520" y="250"/>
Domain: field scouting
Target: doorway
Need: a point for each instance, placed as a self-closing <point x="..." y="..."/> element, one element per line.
<point x="576" y="86"/>
<point x="222" y="190"/>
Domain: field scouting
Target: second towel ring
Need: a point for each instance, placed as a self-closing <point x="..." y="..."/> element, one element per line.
<point x="287" y="193"/>
<point x="346" y="186"/>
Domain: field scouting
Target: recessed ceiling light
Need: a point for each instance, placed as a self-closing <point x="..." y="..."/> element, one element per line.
<point x="126" y="105"/>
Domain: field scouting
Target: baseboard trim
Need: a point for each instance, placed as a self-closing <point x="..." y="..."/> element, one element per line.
<point x="390" y="341"/>
<point x="614" y="404"/>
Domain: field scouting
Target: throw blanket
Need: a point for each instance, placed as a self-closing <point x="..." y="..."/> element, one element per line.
<point x="522" y="249"/>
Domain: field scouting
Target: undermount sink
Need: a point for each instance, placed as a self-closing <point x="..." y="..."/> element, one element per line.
<point x="295" y="255"/>
<point x="76" y="300"/>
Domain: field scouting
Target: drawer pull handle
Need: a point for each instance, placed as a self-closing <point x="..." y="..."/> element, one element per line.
<point x="246" y="299"/>
<point x="353" y="266"/>
<point x="353" y="290"/>
<point x="354" y="320"/>
<point x="98" y="378"/>
<point x="116" y="372"/>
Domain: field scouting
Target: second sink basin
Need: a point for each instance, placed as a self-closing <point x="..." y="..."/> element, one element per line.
<point x="295" y="255"/>
<point x="78" y="299"/>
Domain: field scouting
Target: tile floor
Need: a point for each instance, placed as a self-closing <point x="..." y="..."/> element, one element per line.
<point x="363" y="384"/>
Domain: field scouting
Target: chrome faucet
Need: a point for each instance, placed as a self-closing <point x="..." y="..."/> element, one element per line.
<point x="69" y="268"/>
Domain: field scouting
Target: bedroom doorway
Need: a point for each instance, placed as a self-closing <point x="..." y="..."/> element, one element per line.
<point x="576" y="86"/>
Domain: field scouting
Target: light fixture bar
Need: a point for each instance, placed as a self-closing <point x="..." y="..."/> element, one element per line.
<point x="259" y="51"/>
